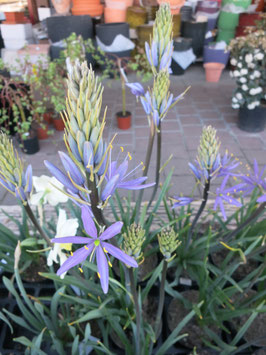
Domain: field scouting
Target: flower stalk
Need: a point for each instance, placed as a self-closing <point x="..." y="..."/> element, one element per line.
<point x="137" y="308"/>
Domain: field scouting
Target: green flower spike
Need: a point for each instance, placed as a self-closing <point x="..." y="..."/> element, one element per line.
<point x="133" y="240"/>
<point x="12" y="175"/>
<point x="208" y="151"/>
<point x="168" y="243"/>
<point x="83" y="128"/>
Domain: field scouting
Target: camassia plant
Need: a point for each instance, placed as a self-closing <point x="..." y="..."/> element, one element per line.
<point x="117" y="270"/>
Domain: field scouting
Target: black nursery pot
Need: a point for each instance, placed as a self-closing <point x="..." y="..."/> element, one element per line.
<point x="107" y="32"/>
<point x="196" y="31"/>
<point x="180" y="45"/>
<point x="252" y="120"/>
<point x="30" y="145"/>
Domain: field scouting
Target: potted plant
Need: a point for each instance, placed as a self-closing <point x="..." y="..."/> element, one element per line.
<point x="16" y="113"/>
<point x="248" y="57"/>
<point x="123" y="117"/>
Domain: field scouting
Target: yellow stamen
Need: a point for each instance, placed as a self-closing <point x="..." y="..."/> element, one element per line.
<point x="122" y="149"/>
<point x="85" y="246"/>
<point x="80" y="269"/>
<point x="110" y="264"/>
<point x="98" y="275"/>
<point x="71" y="253"/>
<point x="129" y="155"/>
<point x="104" y="250"/>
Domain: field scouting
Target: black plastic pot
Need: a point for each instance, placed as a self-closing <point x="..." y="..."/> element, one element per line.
<point x="30" y="145"/>
<point x="61" y="27"/>
<point x="186" y="13"/>
<point x="196" y="31"/>
<point x="252" y="120"/>
<point x="107" y="32"/>
<point x="180" y="45"/>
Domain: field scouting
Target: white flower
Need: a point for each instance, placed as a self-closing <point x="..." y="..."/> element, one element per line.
<point x="65" y="228"/>
<point x="235" y="106"/>
<point x="251" y="106"/>
<point x="243" y="71"/>
<point x="259" y="89"/>
<point x="243" y="80"/>
<point x="253" y="91"/>
<point x="256" y="103"/>
<point x="252" y="77"/>
<point x="239" y="65"/>
<point x="239" y="96"/>
<point x="251" y="65"/>
<point x="233" y="61"/>
<point x="236" y="73"/>
<point x="259" y="56"/>
<point x="244" y="87"/>
<point x="234" y="100"/>
<point x="248" y="58"/>
<point x="46" y="192"/>
<point x="257" y="74"/>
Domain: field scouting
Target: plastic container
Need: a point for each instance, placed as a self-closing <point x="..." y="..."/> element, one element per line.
<point x="123" y="122"/>
<point x="228" y="20"/>
<point x="213" y="55"/>
<point x="108" y="31"/>
<point x="213" y="71"/>
<point x="136" y="16"/>
<point x="176" y="25"/>
<point x="225" y="35"/>
<point x="196" y="31"/>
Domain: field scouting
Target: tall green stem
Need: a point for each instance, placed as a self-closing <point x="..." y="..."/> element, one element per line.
<point x="158" y="163"/>
<point x="136" y="303"/>
<point x="123" y="96"/>
<point x="202" y="206"/>
<point x="147" y="163"/>
<point x="36" y="224"/>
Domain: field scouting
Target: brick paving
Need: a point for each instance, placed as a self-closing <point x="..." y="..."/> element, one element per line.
<point x="204" y="104"/>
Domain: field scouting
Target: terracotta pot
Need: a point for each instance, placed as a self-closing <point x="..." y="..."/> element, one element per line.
<point x="114" y="15"/>
<point x="123" y="122"/>
<point x="248" y="19"/>
<point x="42" y="132"/>
<point x="58" y="124"/>
<point x="62" y="7"/>
<point x="136" y="16"/>
<point x="83" y="7"/>
<point x="213" y="71"/>
<point x="15" y="17"/>
<point x="48" y="117"/>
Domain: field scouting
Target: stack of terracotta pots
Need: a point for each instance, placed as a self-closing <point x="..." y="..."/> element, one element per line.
<point x="115" y="10"/>
<point x="85" y="7"/>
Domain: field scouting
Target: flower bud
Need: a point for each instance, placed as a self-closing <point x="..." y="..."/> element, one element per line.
<point x="208" y="151"/>
<point x="168" y="243"/>
<point x="133" y="240"/>
<point x="12" y="175"/>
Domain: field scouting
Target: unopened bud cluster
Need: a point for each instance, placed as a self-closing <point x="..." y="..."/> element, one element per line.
<point x="168" y="243"/>
<point x="161" y="88"/>
<point x="133" y="240"/>
<point x="12" y="175"/>
<point x="83" y="127"/>
<point x="163" y="28"/>
<point x="208" y="151"/>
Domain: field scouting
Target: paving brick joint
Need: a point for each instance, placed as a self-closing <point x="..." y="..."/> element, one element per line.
<point x="204" y="104"/>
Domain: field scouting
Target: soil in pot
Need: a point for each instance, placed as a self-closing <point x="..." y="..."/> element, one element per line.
<point x="31" y="274"/>
<point x="176" y="312"/>
<point x="257" y="329"/>
<point x="123" y="120"/>
<point x="242" y="271"/>
<point x="252" y="120"/>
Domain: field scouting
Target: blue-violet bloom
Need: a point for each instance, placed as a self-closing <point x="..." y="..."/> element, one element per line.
<point x="181" y="201"/>
<point x="224" y="195"/>
<point x="95" y="244"/>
